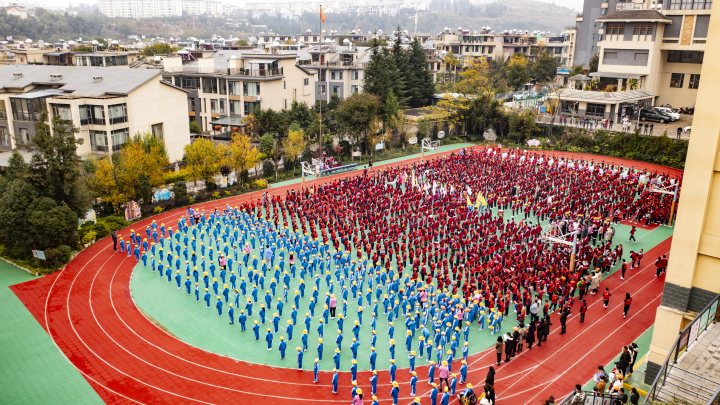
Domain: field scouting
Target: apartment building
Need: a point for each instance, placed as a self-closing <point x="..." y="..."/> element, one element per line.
<point x="228" y="85"/>
<point x="340" y="69"/>
<point x="107" y="105"/>
<point x="159" y="8"/>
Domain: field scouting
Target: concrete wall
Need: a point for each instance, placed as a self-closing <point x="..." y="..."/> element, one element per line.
<point x="625" y="57"/>
<point x="694" y="263"/>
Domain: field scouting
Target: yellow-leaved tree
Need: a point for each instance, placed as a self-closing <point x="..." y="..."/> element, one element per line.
<point x="203" y="159"/>
<point x="119" y="178"/>
<point x="242" y="155"/>
<point x="294" y="145"/>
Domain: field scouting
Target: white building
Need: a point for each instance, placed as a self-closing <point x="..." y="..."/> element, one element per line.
<point x="160" y="8"/>
<point x="109" y="106"/>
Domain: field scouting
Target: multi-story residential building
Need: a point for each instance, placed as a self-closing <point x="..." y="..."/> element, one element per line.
<point x="228" y="85"/>
<point x="50" y="56"/>
<point x="646" y="57"/>
<point x="107" y="105"/>
<point x="340" y="68"/>
<point x="159" y="8"/>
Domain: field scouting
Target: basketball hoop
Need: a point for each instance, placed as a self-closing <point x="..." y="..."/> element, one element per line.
<point x="670" y="189"/>
<point x="430" y="145"/>
<point x="552" y="234"/>
<point x="309" y="170"/>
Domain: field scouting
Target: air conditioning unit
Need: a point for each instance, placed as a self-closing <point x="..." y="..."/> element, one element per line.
<point x="257" y="98"/>
<point x="97" y="79"/>
<point x="55" y="77"/>
<point x="17" y="75"/>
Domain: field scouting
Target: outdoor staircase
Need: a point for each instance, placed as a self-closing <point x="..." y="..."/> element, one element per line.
<point x="696" y="375"/>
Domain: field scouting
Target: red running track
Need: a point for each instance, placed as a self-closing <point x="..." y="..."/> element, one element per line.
<point x="87" y="310"/>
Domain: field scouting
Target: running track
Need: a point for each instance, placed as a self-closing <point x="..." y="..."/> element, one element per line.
<point x="87" y="310"/>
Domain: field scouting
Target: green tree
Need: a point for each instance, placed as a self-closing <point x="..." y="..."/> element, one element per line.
<point x="356" y="113"/>
<point x="545" y="66"/>
<point x="204" y="160"/>
<point x="577" y="70"/>
<point x="422" y="76"/>
<point x="17" y="196"/>
<point x="194" y="127"/>
<point x="517" y="71"/>
<point x="382" y="77"/>
<point x="269" y="146"/>
<point x="159" y="49"/>
<point x="242" y="155"/>
<point x="51" y="224"/>
<point x="593" y="65"/>
<point x="55" y="165"/>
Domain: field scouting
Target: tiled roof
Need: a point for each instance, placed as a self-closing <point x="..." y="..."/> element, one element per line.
<point x="636" y="15"/>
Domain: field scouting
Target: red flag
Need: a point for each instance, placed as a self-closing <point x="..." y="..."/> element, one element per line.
<point x="322" y="15"/>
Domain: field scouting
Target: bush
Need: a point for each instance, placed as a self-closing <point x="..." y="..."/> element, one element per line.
<point x="101" y="230"/>
<point x="157" y="210"/>
<point x="65" y="254"/>
<point x="259" y="184"/>
<point x="174" y="177"/>
<point x="216" y="195"/>
<point x="182" y="201"/>
<point x="210" y="186"/>
<point x="89" y="237"/>
<point x="179" y="189"/>
<point x="227" y="192"/>
<point x="147" y="210"/>
<point x="268" y="169"/>
<point x="114" y="222"/>
<point x="201" y="196"/>
<point x="191" y="200"/>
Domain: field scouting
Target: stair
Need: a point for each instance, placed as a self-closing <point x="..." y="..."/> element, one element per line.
<point x="696" y="375"/>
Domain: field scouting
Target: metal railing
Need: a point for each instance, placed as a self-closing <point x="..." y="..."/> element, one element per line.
<point x="591" y="397"/>
<point x="332" y="64"/>
<point x="684" y="340"/>
<point x="226" y="71"/>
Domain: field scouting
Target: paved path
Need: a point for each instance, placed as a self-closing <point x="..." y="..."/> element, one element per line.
<point x="88" y="311"/>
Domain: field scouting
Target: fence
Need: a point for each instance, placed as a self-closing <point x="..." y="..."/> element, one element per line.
<point x="591" y="398"/>
<point x="596" y="123"/>
<point x="684" y="340"/>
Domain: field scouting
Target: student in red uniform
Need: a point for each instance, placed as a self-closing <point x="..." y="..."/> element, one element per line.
<point x="583" y="310"/>
<point x="626" y="304"/>
<point x="606" y="297"/>
<point x="632" y="234"/>
<point x="623" y="268"/>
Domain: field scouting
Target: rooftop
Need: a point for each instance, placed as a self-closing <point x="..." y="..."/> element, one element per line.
<point x="609" y="97"/>
<point x="635" y="15"/>
<point x="76" y="80"/>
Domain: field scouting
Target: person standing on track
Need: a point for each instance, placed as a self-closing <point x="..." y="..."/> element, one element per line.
<point x="499" y="350"/>
<point x="583" y="310"/>
<point x="626" y="304"/>
<point x="563" y="319"/>
<point x="606" y="297"/>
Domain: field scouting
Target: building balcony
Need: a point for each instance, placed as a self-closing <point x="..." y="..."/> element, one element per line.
<point x="579" y="17"/>
<point x="333" y="64"/>
<point x="226" y="71"/>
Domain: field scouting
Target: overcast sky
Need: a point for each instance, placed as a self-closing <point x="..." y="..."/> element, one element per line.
<point x="574" y="4"/>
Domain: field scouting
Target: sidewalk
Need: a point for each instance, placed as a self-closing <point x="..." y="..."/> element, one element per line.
<point x="658" y="129"/>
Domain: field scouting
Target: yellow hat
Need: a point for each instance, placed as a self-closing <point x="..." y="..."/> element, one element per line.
<point x="359" y="391"/>
<point x="417" y="400"/>
<point x="469" y="385"/>
<point x="395" y="384"/>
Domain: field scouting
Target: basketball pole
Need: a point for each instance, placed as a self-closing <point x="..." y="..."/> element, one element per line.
<point x="572" y="255"/>
<point x="672" y="207"/>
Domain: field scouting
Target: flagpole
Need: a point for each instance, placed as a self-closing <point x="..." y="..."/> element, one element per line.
<point x="320" y="59"/>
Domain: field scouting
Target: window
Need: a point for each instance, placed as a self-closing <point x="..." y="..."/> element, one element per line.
<point x="92" y="115"/>
<point x="685" y="56"/>
<point x="214" y="106"/>
<point x="235" y="88"/>
<point x="690" y="4"/>
<point x="249" y="107"/>
<point x="119" y="138"/>
<point x="4" y="136"/>
<point x="235" y="107"/>
<point x="322" y="89"/>
<point x="336" y="75"/>
<point x="27" y="109"/>
<point x="210" y="85"/>
<point x="306" y="82"/>
<point x="676" y="80"/>
<point x="251" y="89"/>
<point x="117" y="113"/>
<point x="157" y="131"/>
<point x="353" y="89"/>
<point x="23" y="135"/>
<point x="3" y="111"/>
<point x="610" y="55"/>
<point x="694" y="81"/>
<point x="222" y="106"/>
<point x="641" y="56"/>
<point x="615" y="29"/>
<point x="595" y="110"/>
<point x="98" y="141"/>
<point x="643" y="30"/>
<point x="336" y="90"/>
<point x="223" y="86"/>
<point x="569" y="107"/>
<point x="284" y="86"/>
<point x="190" y="82"/>
<point x="355" y="75"/>
<point x="63" y="111"/>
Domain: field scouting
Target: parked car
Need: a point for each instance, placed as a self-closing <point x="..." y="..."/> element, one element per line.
<point x="519" y="96"/>
<point x="674" y="115"/>
<point x="647" y="114"/>
<point x="687" y="129"/>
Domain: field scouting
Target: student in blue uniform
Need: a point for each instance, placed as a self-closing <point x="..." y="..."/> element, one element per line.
<point x="320" y="348"/>
<point x="335" y="381"/>
<point x="299" y="358"/>
<point x="413" y="383"/>
<point x="231" y="314"/>
<point x="373" y="382"/>
<point x="282" y="346"/>
<point x="316" y="370"/>
<point x="269" y="338"/>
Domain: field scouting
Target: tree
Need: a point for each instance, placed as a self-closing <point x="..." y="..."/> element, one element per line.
<point x="203" y="160"/>
<point x="522" y="125"/>
<point x="424" y="125"/>
<point x="356" y="113"/>
<point x="242" y="155"/>
<point x="294" y="145"/>
<point x="423" y="77"/>
<point x="194" y="127"/>
<point x="577" y="70"/>
<point x="402" y="126"/>
<point x="130" y="173"/>
<point x="593" y="65"/>
<point x="16" y="197"/>
<point x="242" y="42"/>
<point x="55" y="165"/>
<point x="545" y="66"/>
<point x="271" y="149"/>
<point x="382" y="77"/>
<point x="517" y="71"/>
<point x="452" y="63"/>
<point x="159" y="48"/>
<point x="51" y="224"/>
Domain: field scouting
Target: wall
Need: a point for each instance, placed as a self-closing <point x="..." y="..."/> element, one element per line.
<point x="695" y="252"/>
